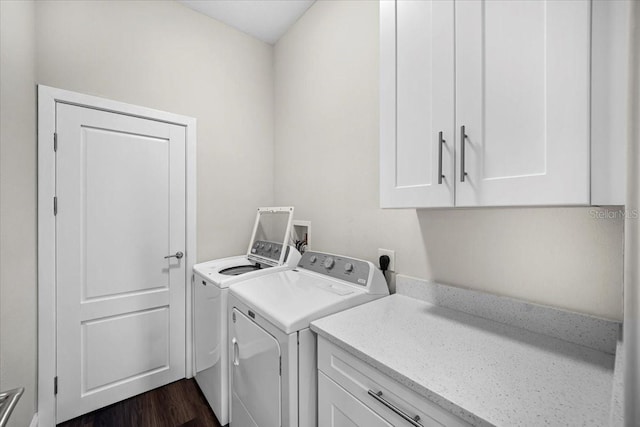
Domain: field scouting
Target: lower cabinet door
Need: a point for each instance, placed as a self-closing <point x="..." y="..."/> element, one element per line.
<point x="338" y="408"/>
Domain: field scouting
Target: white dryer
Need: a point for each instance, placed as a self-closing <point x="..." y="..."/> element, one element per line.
<point x="268" y="253"/>
<point x="273" y="374"/>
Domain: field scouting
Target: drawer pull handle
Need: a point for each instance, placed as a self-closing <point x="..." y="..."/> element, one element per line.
<point x="414" y="421"/>
<point x="440" y="142"/>
<point x="463" y="139"/>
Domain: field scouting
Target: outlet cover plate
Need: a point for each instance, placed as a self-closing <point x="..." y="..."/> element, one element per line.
<point x="392" y="258"/>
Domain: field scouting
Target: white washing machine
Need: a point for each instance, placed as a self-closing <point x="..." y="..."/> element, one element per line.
<point x="272" y="351"/>
<point x="268" y="253"/>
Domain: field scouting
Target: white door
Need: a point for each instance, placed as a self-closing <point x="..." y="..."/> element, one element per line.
<point x="417" y="104"/>
<point x="339" y="408"/>
<point x="522" y="95"/>
<point x="255" y="375"/>
<point x="120" y="187"/>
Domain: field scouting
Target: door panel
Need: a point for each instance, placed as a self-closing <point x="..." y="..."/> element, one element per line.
<point x="515" y="100"/>
<point x="139" y="340"/>
<point x="522" y="93"/>
<point x="120" y="303"/>
<point x="417" y="101"/>
<point x="414" y="55"/>
<point x="111" y="193"/>
<point x="255" y="367"/>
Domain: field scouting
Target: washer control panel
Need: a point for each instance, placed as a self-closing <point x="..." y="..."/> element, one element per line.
<point x="267" y="249"/>
<point x="348" y="269"/>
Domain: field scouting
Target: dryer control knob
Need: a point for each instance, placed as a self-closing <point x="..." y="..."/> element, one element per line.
<point x="269" y="247"/>
<point x="277" y="250"/>
<point x="348" y="267"/>
<point x="313" y="259"/>
<point x="328" y="263"/>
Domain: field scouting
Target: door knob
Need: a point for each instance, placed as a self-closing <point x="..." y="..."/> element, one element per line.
<point x="177" y="255"/>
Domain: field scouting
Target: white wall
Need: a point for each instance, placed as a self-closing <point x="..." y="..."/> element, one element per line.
<point x="158" y="54"/>
<point x="326" y="140"/>
<point x="163" y="55"/>
<point x="18" y="205"/>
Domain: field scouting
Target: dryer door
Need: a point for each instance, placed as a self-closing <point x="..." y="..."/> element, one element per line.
<point x="255" y="370"/>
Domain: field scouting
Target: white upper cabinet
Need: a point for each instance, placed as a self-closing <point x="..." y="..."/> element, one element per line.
<point x="522" y="95"/>
<point x="417" y="104"/>
<point x="507" y="85"/>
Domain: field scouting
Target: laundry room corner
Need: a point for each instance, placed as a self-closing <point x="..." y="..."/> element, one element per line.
<point x="139" y="53"/>
<point x="327" y="109"/>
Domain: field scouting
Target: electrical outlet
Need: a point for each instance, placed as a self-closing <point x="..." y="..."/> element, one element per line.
<point x="392" y="257"/>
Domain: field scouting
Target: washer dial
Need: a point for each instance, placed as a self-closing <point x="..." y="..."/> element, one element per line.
<point x="329" y="263"/>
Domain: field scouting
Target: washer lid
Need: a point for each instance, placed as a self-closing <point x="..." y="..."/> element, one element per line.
<point x="210" y="270"/>
<point x="292" y="299"/>
<point x="270" y="235"/>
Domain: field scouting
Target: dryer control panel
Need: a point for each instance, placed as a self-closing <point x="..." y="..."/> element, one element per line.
<point x="351" y="270"/>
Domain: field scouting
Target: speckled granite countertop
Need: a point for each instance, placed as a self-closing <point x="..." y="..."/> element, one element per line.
<point x="485" y="372"/>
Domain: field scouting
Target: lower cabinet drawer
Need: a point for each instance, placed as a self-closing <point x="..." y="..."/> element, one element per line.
<point x="338" y="408"/>
<point x="390" y="400"/>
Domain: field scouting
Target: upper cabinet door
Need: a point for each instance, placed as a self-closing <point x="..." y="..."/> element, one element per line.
<point x="522" y="95"/>
<point x="417" y="103"/>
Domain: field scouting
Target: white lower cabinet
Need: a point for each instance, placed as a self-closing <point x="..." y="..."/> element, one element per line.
<point x="353" y="393"/>
<point x="338" y="408"/>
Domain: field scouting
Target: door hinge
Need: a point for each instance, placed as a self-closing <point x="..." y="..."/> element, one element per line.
<point x="55" y="142"/>
<point x="55" y="205"/>
<point x="55" y="385"/>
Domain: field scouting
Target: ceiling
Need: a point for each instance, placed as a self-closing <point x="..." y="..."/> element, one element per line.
<point x="266" y="20"/>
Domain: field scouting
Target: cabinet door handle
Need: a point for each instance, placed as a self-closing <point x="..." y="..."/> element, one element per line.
<point x="441" y="141"/>
<point x="414" y="421"/>
<point x="463" y="139"/>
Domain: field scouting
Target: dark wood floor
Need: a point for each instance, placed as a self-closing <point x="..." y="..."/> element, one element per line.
<point x="177" y="404"/>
